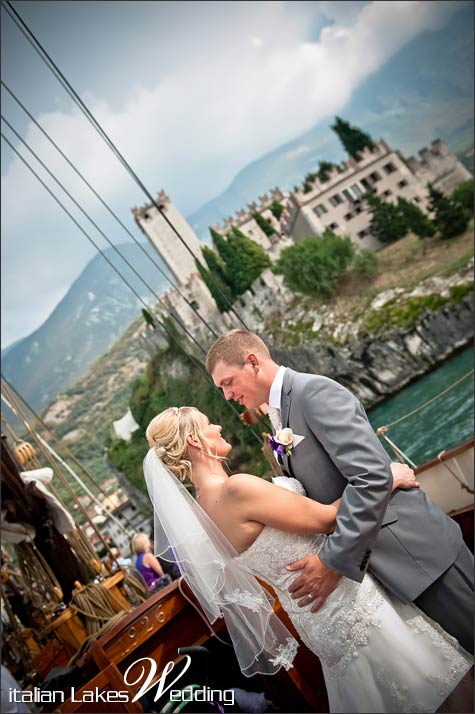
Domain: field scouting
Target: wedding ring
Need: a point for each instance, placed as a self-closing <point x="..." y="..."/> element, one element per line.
<point x="309" y="595"/>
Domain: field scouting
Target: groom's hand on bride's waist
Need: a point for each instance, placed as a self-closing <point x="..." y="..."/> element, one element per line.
<point x="314" y="584"/>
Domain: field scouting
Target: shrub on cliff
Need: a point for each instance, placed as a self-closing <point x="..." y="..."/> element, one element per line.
<point x="314" y="265"/>
<point x="365" y="263"/>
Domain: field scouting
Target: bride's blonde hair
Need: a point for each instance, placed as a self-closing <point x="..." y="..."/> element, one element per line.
<point x="167" y="433"/>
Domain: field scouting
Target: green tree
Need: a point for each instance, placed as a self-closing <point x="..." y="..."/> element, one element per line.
<point x="463" y="195"/>
<point x="215" y="279"/>
<point x="307" y="182"/>
<point x="226" y="254"/>
<point x="263" y="223"/>
<point x="324" y="169"/>
<point x="245" y="262"/>
<point x="387" y="221"/>
<point x="277" y="209"/>
<point x="416" y="220"/>
<point x="314" y="264"/>
<point x="352" y="138"/>
<point x="148" y="317"/>
<point x="365" y="263"/>
<point x="450" y="218"/>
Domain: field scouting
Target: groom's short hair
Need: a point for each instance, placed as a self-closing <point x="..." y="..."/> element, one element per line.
<point x="233" y="347"/>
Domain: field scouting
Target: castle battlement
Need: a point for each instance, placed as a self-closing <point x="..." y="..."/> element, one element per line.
<point x="242" y="216"/>
<point x="335" y="176"/>
<point x="163" y="200"/>
<point x="429" y="156"/>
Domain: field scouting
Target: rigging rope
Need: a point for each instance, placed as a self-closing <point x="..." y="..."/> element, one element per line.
<point x="34" y="42"/>
<point x="107" y="207"/>
<point x="382" y="429"/>
<point x="18" y="411"/>
<point x="192" y="359"/>
<point x="91" y="220"/>
<point x="22" y="26"/>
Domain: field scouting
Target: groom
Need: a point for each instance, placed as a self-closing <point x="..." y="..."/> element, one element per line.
<point x="414" y="549"/>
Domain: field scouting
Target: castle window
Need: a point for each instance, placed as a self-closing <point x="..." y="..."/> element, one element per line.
<point x="364" y="182"/>
<point x="389" y="168"/>
<point x="320" y="210"/>
<point x="356" y="190"/>
<point x="357" y="210"/>
<point x="336" y="199"/>
<point x="349" y="196"/>
<point x="146" y="216"/>
<point x="374" y="177"/>
<point x="333" y="226"/>
<point x="387" y="193"/>
<point x="416" y="199"/>
<point x="347" y="216"/>
<point x="402" y="183"/>
<point x="363" y="233"/>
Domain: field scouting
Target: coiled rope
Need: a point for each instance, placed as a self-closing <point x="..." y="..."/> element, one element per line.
<point x="96" y="604"/>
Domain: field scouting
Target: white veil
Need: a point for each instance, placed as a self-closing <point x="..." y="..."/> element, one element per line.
<point x="223" y="585"/>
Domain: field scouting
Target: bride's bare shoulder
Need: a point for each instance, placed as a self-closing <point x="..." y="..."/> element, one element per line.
<point x="241" y="484"/>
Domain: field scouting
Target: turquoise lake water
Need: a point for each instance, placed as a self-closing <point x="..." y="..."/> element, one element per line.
<point x="444" y="423"/>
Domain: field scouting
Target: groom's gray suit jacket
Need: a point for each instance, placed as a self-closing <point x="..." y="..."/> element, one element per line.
<point x="403" y="539"/>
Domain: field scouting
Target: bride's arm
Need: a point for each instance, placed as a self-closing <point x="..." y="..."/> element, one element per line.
<point x="258" y="500"/>
<point x="264" y="502"/>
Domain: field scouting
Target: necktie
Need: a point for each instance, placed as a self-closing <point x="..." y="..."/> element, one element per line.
<point x="274" y="416"/>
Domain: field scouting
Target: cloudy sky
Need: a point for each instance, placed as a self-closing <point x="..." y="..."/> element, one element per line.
<point x="190" y="92"/>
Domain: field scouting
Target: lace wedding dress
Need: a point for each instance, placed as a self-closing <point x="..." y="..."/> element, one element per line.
<point x="377" y="654"/>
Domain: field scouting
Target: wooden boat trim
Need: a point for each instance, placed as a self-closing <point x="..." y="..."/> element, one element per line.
<point x="445" y="456"/>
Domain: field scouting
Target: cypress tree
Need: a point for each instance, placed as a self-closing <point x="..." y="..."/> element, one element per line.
<point x="222" y="246"/>
<point x="277" y="209"/>
<point x="416" y="220"/>
<point x="352" y="137"/>
<point x="246" y="261"/>
<point x="148" y="317"/>
<point x="263" y="223"/>
<point x="387" y="221"/>
<point x="216" y="285"/>
<point x="450" y="218"/>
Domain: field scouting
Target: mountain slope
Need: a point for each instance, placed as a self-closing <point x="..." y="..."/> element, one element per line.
<point x="94" y="313"/>
<point x="422" y="93"/>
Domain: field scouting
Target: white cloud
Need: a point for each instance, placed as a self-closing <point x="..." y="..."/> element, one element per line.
<point x="217" y="109"/>
<point x="256" y="41"/>
<point x="302" y="149"/>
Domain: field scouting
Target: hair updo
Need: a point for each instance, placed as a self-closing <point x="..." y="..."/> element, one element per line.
<point x="167" y="434"/>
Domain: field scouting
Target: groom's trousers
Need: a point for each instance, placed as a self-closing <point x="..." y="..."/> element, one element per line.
<point x="450" y="599"/>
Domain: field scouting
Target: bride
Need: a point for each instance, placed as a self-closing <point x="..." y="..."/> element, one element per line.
<point x="377" y="654"/>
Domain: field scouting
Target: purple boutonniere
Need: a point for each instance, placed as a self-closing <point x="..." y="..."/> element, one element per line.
<point x="282" y="442"/>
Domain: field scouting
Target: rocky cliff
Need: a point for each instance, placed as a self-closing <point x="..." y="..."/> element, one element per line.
<point x="374" y="367"/>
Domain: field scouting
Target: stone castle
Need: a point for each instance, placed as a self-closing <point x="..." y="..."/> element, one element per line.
<point x="335" y="204"/>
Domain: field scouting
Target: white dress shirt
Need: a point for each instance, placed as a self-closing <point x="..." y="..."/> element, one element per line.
<point x="275" y="394"/>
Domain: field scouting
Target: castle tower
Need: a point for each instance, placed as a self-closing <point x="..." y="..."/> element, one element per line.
<point x="177" y="258"/>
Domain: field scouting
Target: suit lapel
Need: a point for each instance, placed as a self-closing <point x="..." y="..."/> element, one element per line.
<point x="286" y="397"/>
<point x="285" y="408"/>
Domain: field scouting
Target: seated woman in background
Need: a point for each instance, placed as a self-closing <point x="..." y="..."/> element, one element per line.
<point x="147" y="564"/>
